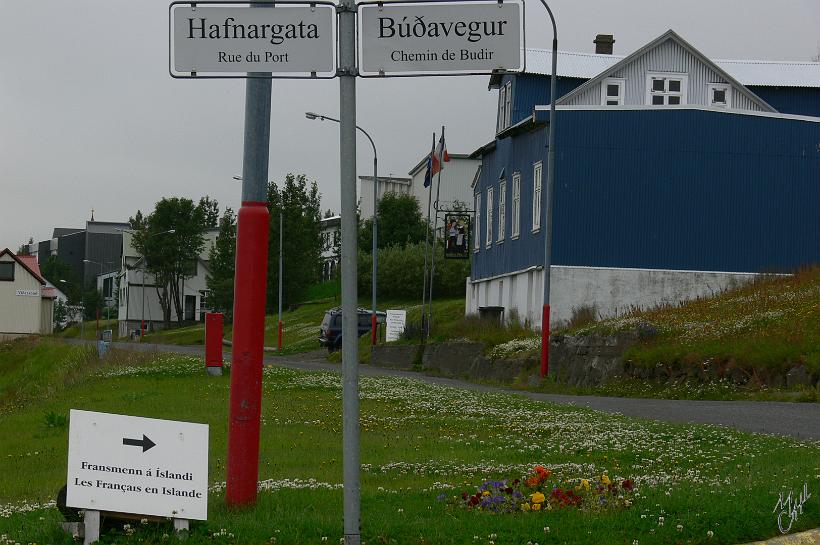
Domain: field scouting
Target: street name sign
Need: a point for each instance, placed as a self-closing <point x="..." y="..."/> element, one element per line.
<point x="130" y="464"/>
<point x="283" y="39"/>
<point x="440" y="38"/>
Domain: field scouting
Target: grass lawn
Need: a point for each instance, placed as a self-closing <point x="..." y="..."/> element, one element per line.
<point x="417" y="441"/>
<point x="89" y="330"/>
<point x="301" y="325"/>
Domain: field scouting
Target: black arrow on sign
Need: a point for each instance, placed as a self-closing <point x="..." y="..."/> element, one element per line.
<point x="145" y="443"/>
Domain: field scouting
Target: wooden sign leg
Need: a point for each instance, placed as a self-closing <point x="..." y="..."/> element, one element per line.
<point x="91" y="521"/>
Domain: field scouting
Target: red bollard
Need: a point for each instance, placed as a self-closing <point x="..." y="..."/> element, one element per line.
<point x="213" y="343"/>
<point x="247" y="354"/>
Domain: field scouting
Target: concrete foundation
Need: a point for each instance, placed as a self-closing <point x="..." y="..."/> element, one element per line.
<point x="609" y="291"/>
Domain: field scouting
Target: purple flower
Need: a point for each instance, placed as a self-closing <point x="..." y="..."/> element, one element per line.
<point x="441" y="497"/>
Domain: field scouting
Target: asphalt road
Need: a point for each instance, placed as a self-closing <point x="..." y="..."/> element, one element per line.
<point x="798" y="420"/>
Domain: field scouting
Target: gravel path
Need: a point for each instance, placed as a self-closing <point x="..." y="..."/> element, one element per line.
<point x="799" y="420"/>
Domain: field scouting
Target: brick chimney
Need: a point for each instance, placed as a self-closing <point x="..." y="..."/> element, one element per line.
<point x="603" y="44"/>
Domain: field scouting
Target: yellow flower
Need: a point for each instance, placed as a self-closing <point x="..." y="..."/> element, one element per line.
<point x="525" y="506"/>
<point x="585" y="484"/>
<point x="605" y="480"/>
<point x="537" y="497"/>
<point x="536" y="507"/>
<point x="485" y="493"/>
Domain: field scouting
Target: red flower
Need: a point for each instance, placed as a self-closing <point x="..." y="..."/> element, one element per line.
<point x="627" y="484"/>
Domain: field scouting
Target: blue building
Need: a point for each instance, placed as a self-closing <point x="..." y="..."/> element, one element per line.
<point x="676" y="176"/>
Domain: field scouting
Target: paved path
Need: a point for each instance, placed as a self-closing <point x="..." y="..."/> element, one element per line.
<point x="799" y="420"/>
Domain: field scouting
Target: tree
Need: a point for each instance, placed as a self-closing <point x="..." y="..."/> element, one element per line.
<point x="92" y="303"/>
<point x="55" y="270"/>
<point x="400" y="223"/>
<point x="171" y="257"/>
<point x="222" y="265"/>
<point x="210" y="211"/>
<point x="302" y="245"/>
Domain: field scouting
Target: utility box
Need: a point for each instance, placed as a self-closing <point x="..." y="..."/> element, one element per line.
<point x="213" y="342"/>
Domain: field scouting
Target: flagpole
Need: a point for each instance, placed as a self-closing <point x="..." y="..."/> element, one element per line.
<point x="435" y="225"/>
<point x="424" y="326"/>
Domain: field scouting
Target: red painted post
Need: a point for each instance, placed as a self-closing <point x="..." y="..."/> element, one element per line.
<point x="248" y="343"/>
<point x="213" y="342"/>
<point x="373" y="329"/>
<point x="279" y="340"/>
<point x="545" y="341"/>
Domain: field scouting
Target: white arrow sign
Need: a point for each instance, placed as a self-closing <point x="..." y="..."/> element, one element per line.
<point x="137" y="465"/>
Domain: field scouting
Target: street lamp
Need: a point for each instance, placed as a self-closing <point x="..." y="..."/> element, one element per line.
<point x="142" y="277"/>
<point x="315" y="116"/>
<point x="545" y="315"/>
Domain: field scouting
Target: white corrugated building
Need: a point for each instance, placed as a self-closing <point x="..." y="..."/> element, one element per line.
<point x="26" y="302"/>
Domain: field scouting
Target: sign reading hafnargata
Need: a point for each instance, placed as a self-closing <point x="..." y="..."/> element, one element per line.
<point x="285" y="39"/>
<point x="440" y="38"/>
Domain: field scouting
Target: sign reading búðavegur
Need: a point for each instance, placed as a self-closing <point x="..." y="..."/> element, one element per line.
<point x="137" y="465"/>
<point x="286" y="39"/>
<point x="440" y="38"/>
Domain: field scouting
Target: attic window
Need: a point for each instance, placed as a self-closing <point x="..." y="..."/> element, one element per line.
<point x="612" y="92"/>
<point x="7" y="271"/>
<point x="664" y="89"/>
<point x="720" y="95"/>
<point x="504" y="106"/>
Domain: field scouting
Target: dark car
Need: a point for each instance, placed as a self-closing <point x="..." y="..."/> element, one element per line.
<point x="330" y="332"/>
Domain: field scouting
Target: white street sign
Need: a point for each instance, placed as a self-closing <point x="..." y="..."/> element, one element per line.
<point x="28" y="293"/>
<point x="137" y="465"/>
<point x="440" y="38"/>
<point x="288" y="40"/>
<point x="396" y="320"/>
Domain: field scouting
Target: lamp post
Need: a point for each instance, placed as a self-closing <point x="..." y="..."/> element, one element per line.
<point x="373" y="320"/>
<point x="142" y="276"/>
<point x="545" y="316"/>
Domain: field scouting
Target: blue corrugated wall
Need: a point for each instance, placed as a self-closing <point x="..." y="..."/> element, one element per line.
<point x="531" y="89"/>
<point x="790" y="100"/>
<point x="666" y="189"/>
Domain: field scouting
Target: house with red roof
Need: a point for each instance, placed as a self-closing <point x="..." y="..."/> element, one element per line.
<point x="26" y="301"/>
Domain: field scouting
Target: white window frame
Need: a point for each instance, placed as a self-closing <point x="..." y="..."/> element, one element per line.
<point x="712" y="87"/>
<point x="537" y="176"/>
<point x="477" y="226"/>
<point x="489" y="216"/>
<point x="502" y="209"/>
<point x="667" y="76"/>
<point x="502" y="93"/>
<point x="621" y="83"/>
<point x="516" y="205"/>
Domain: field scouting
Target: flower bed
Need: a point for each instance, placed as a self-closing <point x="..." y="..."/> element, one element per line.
<point x="537" y="492"/>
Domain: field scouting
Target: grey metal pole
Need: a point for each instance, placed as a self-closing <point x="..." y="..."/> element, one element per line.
<point x="350" y="318"/>
<point x="433" y="249"/>
<point x="548" y="196"/>
<point x="425" y="329"/>
<point x="281" y="260"/>
<point x="375" y="240"/>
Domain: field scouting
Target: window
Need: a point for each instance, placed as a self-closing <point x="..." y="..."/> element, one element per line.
<point x="516" y="205"/>
<point x="720" y="95"/>
<point x="666" y="89"/>
<point x="502" y="209"/>
<point x="504" y="106"/>
<point x="477" y="236"/>
<point x="203" y="298"/>
<point x="489" y="216"/>
<point x="108" y="287"/>
<point x="612" y="92"/>
<point x="536" y="197"/>
<point x="7" y="271"/>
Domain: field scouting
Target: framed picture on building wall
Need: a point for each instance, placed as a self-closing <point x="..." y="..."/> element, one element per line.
<point x="457" y="236"/>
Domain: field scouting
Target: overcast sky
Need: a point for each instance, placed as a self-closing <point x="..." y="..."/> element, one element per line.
<point x="90" y="118"/>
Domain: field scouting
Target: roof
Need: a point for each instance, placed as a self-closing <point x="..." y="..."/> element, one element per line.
<point x="48" y="293"/>
<point x="28" y="262"/>
<point x="572" y="64"/>
<point x="405" y="181"/>
<point x="668" y="36"/>
<point x="62" y="231"/>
